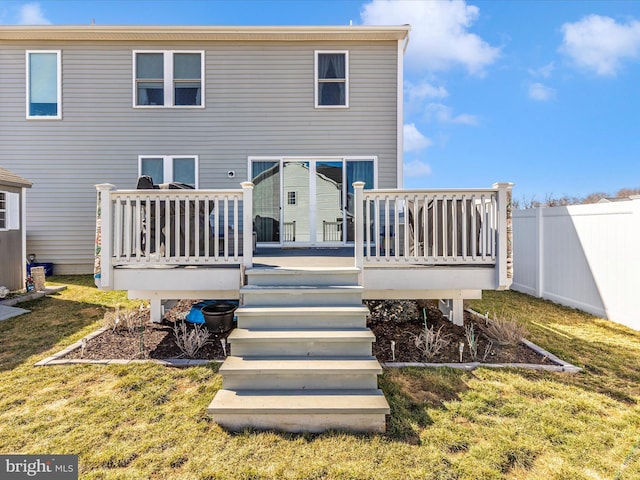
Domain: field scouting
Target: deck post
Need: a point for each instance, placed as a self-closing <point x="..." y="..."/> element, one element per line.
<point x="358" y="194"/>
<point x="504" y="253"/>
<point x="104" y="237"/>
<point x="247" y="224"/>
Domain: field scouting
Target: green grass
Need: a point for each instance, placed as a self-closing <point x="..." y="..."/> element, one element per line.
<point x="147" y="421"/>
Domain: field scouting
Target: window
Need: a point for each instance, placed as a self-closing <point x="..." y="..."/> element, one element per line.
<point x="9" y="211"/>
<point x="44" y="89"/>
<point x="332" y="79"/>
<point x="168" y="79"/>
<point x="292" y="198"/>
<point x="167" y="168"/>
<point x="3" y="211"/>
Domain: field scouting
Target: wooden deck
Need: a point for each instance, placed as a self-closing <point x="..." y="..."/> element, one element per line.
<point x="421" y="244"/>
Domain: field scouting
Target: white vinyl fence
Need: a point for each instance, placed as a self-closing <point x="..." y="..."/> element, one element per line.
<point x="582" y="256"/>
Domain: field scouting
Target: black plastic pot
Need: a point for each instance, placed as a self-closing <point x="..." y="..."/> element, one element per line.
<point x="219" y="316"/>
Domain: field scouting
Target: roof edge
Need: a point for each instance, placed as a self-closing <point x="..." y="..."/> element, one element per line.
<point x="201" y="33"/>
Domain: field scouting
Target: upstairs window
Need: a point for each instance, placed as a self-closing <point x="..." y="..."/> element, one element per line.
<point x="168" y="79"/>
<point x="167" y="169"/>
<point x="332" y="79"/>
<point x="44" y="85"/>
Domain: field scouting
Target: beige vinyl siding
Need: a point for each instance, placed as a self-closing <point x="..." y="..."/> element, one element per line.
<point x="259" y="101"/>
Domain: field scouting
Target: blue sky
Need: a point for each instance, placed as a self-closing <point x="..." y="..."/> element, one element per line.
<point x="545" y="94"/>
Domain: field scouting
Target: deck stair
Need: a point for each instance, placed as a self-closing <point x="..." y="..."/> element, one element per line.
<point x="301" y="356"/>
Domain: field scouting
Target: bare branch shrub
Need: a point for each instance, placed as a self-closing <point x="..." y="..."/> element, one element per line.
<point x="487" y="350"/>
<point x="190" y="341"/>
<point x="120" y="322"/>
<point x="472" y="340"/>
<point x="504" y="331"/>
<point x="431" y="342"/>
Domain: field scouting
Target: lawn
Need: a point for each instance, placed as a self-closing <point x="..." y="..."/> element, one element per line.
<point x="147" y="421"/>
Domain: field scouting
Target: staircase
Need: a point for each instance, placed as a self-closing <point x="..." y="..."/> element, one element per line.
<point x="301" y="355"/>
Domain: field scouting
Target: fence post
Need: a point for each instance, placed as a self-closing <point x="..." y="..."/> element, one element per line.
<point x="539" y="252"/>
<point x="247" y="222"/>
<point x="358" y="197"/>
<point x="104" y="237"/>
<point x="504" y="251"/>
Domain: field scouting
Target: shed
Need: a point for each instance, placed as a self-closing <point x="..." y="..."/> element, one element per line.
<point x="12" y="229"/>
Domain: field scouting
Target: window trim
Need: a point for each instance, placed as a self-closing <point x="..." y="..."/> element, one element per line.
<point x="167" y="166"/>
<point x="168" y="79"/>
<point x="316" y="80"/>
<point x="28" y="86"/>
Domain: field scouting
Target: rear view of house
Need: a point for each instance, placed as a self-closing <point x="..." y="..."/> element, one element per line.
<point x="301" y="111"/>
<point x="309" y="121"/>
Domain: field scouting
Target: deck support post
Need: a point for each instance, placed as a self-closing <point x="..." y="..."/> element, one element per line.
<point x="453" y="309"/>
<point x="104" y="241"/>
<point x="504" y="254"/>
<point x="155" y="305"/>
<point x="247" y="224"/>
<point x="358" y="193"/>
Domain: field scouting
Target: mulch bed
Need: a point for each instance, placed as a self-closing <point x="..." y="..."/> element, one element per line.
<point x="397" y="321"/>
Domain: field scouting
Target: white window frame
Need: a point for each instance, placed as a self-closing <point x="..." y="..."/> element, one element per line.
<point x="168" y="79"/>
<point x="316" y="80"/>
<point x="59" y="85"/>
<point x="167" y="166"/>
<point x="11" y="211"/>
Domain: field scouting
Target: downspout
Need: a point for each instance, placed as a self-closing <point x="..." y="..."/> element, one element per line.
<point x="402" y="48"/>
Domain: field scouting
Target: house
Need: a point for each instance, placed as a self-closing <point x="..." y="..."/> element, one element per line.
<point x="13" y="253"/>
<point x="309" y="120"/>
<point x="206" y="106"/>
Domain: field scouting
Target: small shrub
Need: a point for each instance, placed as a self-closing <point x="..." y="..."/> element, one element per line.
<point x="472" y="340"/>
<point x="190" y="341"/>
<point x="120" y="322"/>
<point x="504" y="331"/>
<point x="431" y="342"/>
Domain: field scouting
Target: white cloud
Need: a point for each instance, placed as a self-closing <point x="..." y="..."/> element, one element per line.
<point x="416" y="168"/>
<point x="545" y="71"/>
<point x="32" y="14"/>
<point x="541" y="93"/>
<point x="414" y="141"/>
<point x="444" y="114"/>
<point x="422" y="91"/>
<point x="440" y="37"/>
<point x="600" y="44"/>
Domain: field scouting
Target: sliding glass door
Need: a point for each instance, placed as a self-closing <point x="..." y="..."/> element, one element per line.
<point x="307" y="201"/>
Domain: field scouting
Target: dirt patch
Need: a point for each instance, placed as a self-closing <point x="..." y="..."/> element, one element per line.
<point x="398" y="322"/>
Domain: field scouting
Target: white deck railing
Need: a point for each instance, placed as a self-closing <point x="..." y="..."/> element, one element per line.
<point x="434" y="227"/>
<point x="397" y="228"/>
<point x="152" y="228"/>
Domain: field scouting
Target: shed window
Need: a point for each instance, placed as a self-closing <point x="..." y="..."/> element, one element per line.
<point x="9" y="211"/>
<point x="332" y="79"/>
<point x="44" y="91"/>
<point x="168" y="79"/>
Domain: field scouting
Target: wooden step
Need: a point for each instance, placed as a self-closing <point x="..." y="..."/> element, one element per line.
<point x="302" y="317"/>
<point x="302" y="295"/>
<point x="304" y="373"/>
<point x="336" y="342"/>
<point x="298" y="411"/>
